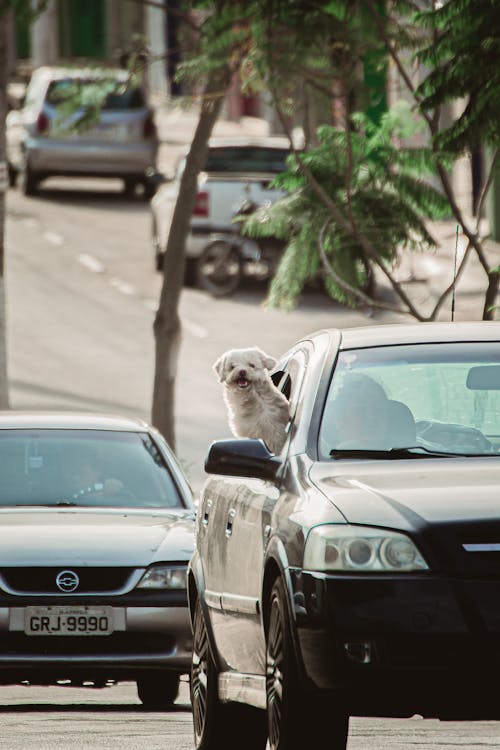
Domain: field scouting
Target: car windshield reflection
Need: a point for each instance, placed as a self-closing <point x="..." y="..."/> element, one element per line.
<point x="443" y="399"/>
<point x="50" y="467"/>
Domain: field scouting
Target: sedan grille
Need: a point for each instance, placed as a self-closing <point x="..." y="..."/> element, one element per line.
<point x="43" y="580"/>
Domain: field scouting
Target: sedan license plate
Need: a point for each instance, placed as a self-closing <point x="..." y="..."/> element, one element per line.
<point x="68" y="620"/>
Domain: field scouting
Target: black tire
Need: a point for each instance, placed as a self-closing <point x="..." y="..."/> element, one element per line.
<point x="155" y="241"/>
<point x="217" y="725"/>
<point x="296" y="718"/>
<point x="129" y="186"/>
<point x="28" y="179"/>
<point x="158" y="691"/>
<point x="218" y="269"/>
<point x="12" y="174"/>
<point x="190" y="273"/>
<point x="148" y="189"/>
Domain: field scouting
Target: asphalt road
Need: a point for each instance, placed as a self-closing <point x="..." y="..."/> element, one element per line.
<point x="81" y="296"/>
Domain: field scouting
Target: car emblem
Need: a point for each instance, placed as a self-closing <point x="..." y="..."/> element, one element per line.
<point x="67" y="581"/>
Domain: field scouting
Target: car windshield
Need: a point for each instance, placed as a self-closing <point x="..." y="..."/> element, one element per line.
<point x="444" y="398"/>
<point x="246" y="159"/>
<point x="84" y="468"/>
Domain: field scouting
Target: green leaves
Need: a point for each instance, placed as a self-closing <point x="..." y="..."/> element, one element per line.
<point x="378" y="186"/>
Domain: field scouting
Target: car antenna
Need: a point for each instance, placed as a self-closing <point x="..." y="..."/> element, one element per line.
<point x="454" y="277"/>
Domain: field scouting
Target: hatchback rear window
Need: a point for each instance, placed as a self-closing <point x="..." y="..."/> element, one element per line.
<point x="251" y="159"/>
<point x="118" y="96"/>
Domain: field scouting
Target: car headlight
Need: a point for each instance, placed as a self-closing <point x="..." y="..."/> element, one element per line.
<point x="361" y="549"/>
<point x="164" y="577"/>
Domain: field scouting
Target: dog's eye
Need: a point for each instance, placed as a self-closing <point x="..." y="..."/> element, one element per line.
<point x="232" y="366"/>
<point x="251" y="365"/>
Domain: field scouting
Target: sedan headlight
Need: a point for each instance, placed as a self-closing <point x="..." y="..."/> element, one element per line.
<point x="360" y="549"/>
<point x="164" y="577"/>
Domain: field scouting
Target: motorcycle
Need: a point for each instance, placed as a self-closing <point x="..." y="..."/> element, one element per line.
<point x="229" y="257"/>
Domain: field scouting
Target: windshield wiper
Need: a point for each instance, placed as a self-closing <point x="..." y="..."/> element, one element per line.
<point x="395" y="453"/>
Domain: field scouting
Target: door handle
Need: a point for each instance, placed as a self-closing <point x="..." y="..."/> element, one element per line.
<point x="230" y="519"/>
<point x="206" y="513"/>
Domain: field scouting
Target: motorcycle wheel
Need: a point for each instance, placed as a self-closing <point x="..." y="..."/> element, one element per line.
<point x="218" y="269"/>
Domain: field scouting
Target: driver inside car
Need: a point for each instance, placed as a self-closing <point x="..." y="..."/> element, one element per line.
<point x="84" y="478"/>
<point x="360" y="415"/>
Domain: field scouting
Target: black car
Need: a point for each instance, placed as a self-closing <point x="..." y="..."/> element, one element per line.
<point x="357" y="573"/>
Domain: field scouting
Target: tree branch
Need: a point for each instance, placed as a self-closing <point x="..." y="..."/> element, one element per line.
<point x="357" y="293"/>
<point x="338" y="215"/>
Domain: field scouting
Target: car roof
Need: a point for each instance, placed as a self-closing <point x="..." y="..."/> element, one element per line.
<point x="56" y="72"/>
<point x="415" y="333"/>
<point x="54" y="420"/>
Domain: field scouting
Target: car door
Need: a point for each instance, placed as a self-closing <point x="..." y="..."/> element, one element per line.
<point x="247" y="527"/>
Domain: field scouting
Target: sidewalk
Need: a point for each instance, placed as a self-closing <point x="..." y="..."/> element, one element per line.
<point x="176" y="125"/>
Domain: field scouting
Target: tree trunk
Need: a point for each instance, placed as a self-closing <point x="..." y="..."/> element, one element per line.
<point x="490" y="298"/>
<point x="4" y="386"/>
<point x="167" y="325"/>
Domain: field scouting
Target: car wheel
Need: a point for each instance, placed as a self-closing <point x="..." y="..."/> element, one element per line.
<point x="190" y="273"/>
<point x="218" y="270"/>
<point x="129" y="186"/>
<point x="155" y="240"/>
<point x="287" y="701"/>
<point x="158" y="691"/>
<point x="12" y="174"/>
<point x="148" y="189"/>
<point x="28" y="179"/>
<point x="217" y="725"/>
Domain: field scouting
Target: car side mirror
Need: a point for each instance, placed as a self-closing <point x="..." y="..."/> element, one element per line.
<point x="242" y="458"/>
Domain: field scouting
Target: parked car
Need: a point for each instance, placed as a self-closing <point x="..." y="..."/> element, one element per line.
<point x="358" y="572"/>
<point x="238" y="170"/>
<point x="96" y="530"/>
<point x="47" y="136"/>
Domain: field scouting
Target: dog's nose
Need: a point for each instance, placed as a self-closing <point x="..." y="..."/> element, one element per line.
<point x="242" y="373"/>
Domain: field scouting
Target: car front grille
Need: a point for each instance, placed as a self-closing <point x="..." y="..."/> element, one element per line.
<point x="43" y="580"/>
<point x="457" y="549"/>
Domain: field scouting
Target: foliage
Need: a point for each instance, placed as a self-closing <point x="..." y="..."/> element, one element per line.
<point x="80" y="98"/>
<point x="27" y="10"/>
<point x="463" y="56"/>
<point x="384" y="199"/>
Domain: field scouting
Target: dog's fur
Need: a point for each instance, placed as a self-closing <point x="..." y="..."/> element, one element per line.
<point x="256" y="408"/>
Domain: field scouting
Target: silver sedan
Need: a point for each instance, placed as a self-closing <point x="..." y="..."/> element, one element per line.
<point x="96" y="531"/>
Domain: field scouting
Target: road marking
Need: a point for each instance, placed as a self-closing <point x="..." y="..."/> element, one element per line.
<point x="122" y="286"/>
<point x="54" y="238"/>
<point x="90" y="263"/>
<point x="194" y="328"/>
<point x="31" y="222"/>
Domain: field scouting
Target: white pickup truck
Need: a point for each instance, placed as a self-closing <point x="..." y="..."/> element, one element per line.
<point x="237" y="169"/>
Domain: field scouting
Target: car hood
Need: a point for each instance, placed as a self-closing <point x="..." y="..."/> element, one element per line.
<point x="403" y="494"/>
<point x="48" y="536"/>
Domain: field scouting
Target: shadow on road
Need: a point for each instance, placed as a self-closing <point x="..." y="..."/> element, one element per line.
<point x="22" y="708"/>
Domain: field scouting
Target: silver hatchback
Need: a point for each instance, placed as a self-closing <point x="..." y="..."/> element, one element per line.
<point x="111" y="133"/>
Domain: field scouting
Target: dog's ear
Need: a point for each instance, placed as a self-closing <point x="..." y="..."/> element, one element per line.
<point x="218" y="368"/>
<point x="267" y="361"/>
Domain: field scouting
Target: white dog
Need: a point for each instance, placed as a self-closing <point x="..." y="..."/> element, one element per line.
<point x="256" y="408"/>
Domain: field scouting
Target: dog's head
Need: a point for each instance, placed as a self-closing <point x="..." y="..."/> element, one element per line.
<point x="239" y="368"/>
